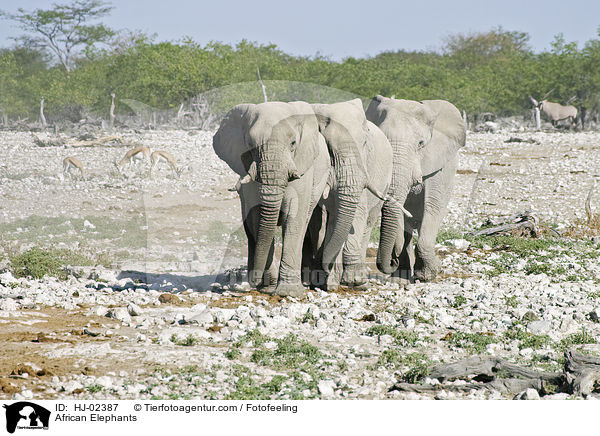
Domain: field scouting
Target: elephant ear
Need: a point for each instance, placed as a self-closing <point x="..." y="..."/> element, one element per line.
<point x="449" y="135"/>
<point x="374" y="111"/>
<point x="305" y="123"/>
<point x="229" y="142"/>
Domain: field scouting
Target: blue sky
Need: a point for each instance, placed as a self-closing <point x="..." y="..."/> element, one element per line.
<point x="341" y="28"/>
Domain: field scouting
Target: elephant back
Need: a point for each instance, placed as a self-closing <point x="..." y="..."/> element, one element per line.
<point x="402" y="118"/>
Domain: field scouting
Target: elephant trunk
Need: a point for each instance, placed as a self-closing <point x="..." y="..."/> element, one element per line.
<point x="392" y="219"/>
<point x="270" y="204"/>
<point x="273" y="176"/>
<point x="391" y="214"/>
<point x="347" y="202"/>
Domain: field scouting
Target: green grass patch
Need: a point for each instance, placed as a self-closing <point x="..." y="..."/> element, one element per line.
<point x="459" y="301"/>
<point x="401" y="337"/>
<point x="289" y="353"/>
<point x="448" y="234"/>
<point x="38" y="262"/>
<point x="475" y="343"/>
<point x="92" y="389"/>
<point x="526" y="339"/>
<point x="579" y="338"/>
<point x="189" y="341"/>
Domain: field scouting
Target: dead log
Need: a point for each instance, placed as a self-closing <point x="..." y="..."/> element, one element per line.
<point x="509" y="386"/>
<point x="581" y="376"/>
<point x="582" y="372"/>
<point x="524" y="222"/>
<point x="95" y="142"/>
<point x="491" y="367"/>
<point x="50" y="142"/>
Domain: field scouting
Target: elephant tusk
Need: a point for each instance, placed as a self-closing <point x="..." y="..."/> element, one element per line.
<point x="407" y="213"/>
<point x="251" y="172"/>
<point x="375" y="192"/>
<point x="379" y="195"/>
<point x="402" y="208"/>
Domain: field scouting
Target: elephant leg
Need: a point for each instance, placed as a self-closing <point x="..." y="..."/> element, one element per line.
<point x="295" y="207"/>
<point x="437" y="194"/>
<point x="404" y="245"/>
<point x="250" y="217"/>
<point x="312" y="249"/>
<point x="354" y="269"/>
<point x="334" y="277"/>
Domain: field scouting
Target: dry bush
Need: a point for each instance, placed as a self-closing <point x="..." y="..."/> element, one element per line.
<point x="584" y="228"/>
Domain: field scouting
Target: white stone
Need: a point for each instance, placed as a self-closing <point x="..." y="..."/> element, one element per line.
<point x="72" y="385"/>
<point x="119" y="313"/>
<point x="202" y="318"/>
<point x="326" y="388"/>
<point x="104" y="381"/>
<point x="8" y="304"/>
<point x="539" y="327"/>
<point x="459" y="244"/>
<point x="134" y="310"/>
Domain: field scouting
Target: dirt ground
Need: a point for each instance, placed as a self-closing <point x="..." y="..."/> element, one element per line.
<point x="184" y="232"/>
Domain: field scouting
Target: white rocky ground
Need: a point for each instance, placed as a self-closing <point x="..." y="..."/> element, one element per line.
<point x="172" y="333"/>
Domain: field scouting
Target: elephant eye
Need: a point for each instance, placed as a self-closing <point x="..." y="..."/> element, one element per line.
<point x="421" y="144"/>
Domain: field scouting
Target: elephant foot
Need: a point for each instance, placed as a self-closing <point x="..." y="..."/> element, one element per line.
<point x="289" y="290"/>
<point x="332" y="283"/>
<point x="400" y="281"/>
<point x="402" y="277"/>
<point x="269" y="290"/>
<point x="355" y="276"/>
<point x="427" y="273"/>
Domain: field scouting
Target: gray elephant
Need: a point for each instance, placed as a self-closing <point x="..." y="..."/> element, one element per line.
<point x="425" y="138"/>
<point x="283" y="164"/>
<point x="361" y="164"/>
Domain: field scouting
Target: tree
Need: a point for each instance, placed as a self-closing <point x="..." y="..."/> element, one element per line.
<point x="63" y="29"/>
<point x="496" y="41"/>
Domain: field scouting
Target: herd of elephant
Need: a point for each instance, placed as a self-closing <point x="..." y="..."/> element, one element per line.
<point x="326" y="173"/>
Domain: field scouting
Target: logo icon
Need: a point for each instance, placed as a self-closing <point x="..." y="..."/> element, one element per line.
<point x="26" y="415"/>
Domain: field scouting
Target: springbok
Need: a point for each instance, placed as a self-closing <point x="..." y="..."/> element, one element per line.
<point x="164" y="156"/>
<point x="139" y="153"/>
<point x="72" y="163"/>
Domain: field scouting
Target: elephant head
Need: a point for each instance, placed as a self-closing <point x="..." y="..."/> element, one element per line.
<point x="344" y="127"/>
<point x="449" y="135"/>
<point x="409" y="127"/>
<point x="271" y="144"/>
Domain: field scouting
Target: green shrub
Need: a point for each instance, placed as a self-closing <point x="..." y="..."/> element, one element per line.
<point x="39" y="262"/>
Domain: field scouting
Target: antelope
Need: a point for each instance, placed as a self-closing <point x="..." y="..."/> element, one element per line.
<point x="71" y="163"/>
<point x="141" y="152"/>
<point x="555" y="111"/>
<point x="164" y="156"/>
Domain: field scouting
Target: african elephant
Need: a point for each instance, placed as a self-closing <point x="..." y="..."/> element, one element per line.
<point x="425" y="138"/>
<point x="283" y="164"/>
<point x="361" y="160"/>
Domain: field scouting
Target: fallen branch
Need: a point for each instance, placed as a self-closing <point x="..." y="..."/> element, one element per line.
<point x="95" y="142"/>
<point x="523" y="222"/>
<point x="488" y="366"/>
<point x="581" y="376"/>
